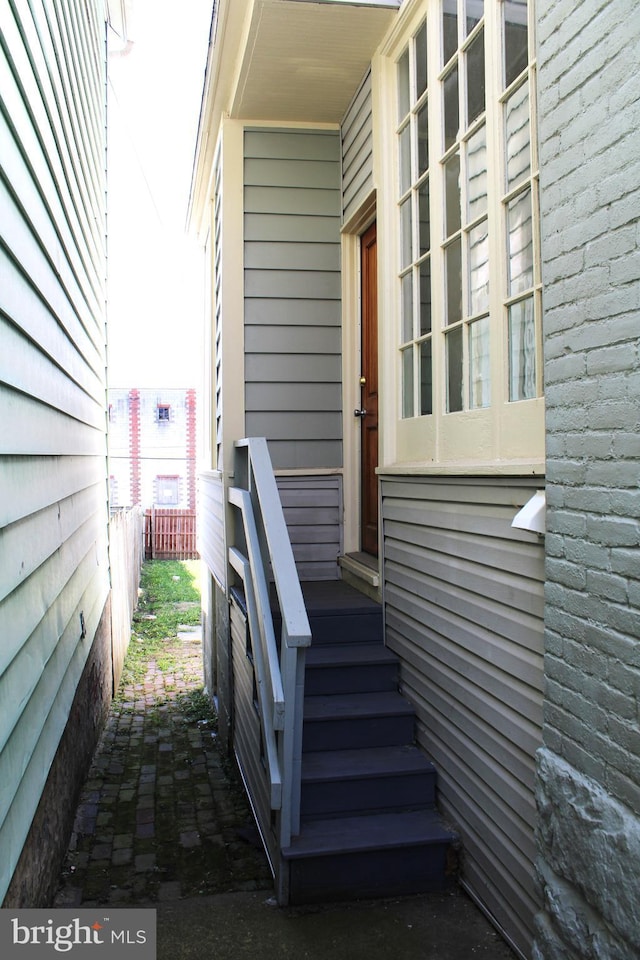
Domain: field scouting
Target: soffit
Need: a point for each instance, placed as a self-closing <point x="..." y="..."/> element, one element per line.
<point x="303" y="61"/>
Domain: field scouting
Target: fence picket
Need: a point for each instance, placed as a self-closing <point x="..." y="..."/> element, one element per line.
<point x="170" y="535"/>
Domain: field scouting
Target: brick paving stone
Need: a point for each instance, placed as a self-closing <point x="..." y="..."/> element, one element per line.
<point x="122" y="840"/>
<point x="190" y="838"/>
<point x="145" y="862"/>
<point x="145" y="830"/>
<point x="156" y="823"/>
<point x="121" y="857"/>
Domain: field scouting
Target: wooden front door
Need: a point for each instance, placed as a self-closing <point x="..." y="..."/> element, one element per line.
<point x="369" y="394"/>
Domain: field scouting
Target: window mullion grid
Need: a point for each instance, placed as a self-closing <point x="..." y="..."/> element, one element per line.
<point x="518" y="326"/>
<point x="409" y="192"/>
<point x="520" y="296"/>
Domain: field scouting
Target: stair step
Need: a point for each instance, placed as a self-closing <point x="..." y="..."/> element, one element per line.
<point x="381" y="718"/>
<point x="321" y="838"/>
<point x="335" y="782"/>
<point x="356" y="626"/>
<point x="352" y="667"/>
<point x="368" y="856"/>
<point x="338" y="613"/>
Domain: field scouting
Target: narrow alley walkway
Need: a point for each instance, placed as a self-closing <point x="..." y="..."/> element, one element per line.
<point x="163" y="822"/>
<point x="162" y="815"/>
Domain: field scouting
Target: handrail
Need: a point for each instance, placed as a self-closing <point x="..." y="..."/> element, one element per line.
<point x="279" y="675"/>
<point x="294" y="613"/>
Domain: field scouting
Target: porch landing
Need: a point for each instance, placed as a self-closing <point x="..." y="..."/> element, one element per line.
<point x="326" y="597"/>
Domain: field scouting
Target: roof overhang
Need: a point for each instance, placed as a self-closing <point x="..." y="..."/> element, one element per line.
<point x="288" y="61"/>
<point x="304" y="59"/>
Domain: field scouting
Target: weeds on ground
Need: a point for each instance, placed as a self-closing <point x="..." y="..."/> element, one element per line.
<point x="197" y="708"/>
<point x="169" y="599"/>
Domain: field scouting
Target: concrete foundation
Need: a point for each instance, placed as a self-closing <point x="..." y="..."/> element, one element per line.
<point x="591" y="845"/>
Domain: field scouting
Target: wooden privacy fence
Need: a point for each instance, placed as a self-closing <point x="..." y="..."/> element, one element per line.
<point x="126" y="526"/>
<point x="170" y="535"/>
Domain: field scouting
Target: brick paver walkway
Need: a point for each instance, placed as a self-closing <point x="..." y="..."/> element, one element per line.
<point x="162" y="815"/>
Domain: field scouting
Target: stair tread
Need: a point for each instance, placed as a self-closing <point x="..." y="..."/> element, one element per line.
<point x="328" y="598"/>
<point x="386" y="703"/>
<point x="349" y="653"/>
<point x="364" y="762"/>
<point x="368" y="832"/>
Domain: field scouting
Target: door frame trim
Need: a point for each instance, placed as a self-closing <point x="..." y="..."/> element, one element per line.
<point x="351" y="233"/>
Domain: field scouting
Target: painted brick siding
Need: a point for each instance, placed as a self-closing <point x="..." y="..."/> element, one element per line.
<point x="589" y="768"/>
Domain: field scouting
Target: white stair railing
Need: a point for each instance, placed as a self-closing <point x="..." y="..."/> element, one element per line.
<point x="264" y="548"/>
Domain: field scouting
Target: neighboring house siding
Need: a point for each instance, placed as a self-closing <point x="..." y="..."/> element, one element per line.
<point x="589" y="769"/>
<point x="54" y="573"/>
<point x="152" y="439"/>
<point x="216" y="439"/>
<point x="292" y="295"/>
<point x="357" y="151"/>
<point x="464" y="605"/>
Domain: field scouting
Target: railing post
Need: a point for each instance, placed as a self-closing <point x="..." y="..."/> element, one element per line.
<point x="262" y="547"/>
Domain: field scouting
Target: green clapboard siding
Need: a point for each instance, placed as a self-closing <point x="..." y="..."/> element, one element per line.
<point x="292" y="295"/>
<point x="54" y="573"/>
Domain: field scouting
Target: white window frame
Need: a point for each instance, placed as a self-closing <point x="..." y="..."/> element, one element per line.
<point x="504" y="436"/>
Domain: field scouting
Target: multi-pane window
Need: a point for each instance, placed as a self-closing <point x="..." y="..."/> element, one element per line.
<point x="415" y="228"/>
<point x="467" y="207"/>
<point x="520" y="201"/>
<point x="465" y="240"/>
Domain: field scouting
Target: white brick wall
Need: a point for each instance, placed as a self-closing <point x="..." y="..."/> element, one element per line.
<point x="589" y="120"/>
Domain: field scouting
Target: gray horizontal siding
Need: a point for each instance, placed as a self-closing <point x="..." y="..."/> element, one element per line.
<point x="291" y="228"/>
<point x="290" y="311"/>
<point x="300" y="396"/>
<point x="294" y="145"/>
<point x="292" y="294"/>
<point x="292" y="368"/>
<point x="313" y="513"/>
<point x="464" y="611"/>
<point x="53" y="509"/>
<point x="309" y="340"/>
<point x="308" y="256"/>
<point x="357" y="150"/>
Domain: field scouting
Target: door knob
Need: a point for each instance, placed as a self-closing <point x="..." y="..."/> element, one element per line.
<point x="359" y="413"/>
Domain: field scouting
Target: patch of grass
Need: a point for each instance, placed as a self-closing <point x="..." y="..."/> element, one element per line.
<point x="197" y="707"/>
<point x="169" y="597"/>
<point x="171" y="581"/>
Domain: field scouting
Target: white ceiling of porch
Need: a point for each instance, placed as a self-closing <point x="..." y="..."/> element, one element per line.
<point x="304" y="60"/>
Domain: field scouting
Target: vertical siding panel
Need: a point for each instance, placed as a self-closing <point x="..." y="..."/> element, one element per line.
<point x="54" y="580"/>
<point x="292" y="292"/>
<point x="464" y="610"/>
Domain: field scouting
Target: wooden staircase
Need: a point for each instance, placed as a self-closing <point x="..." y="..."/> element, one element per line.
<point x="369" y="826"/>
